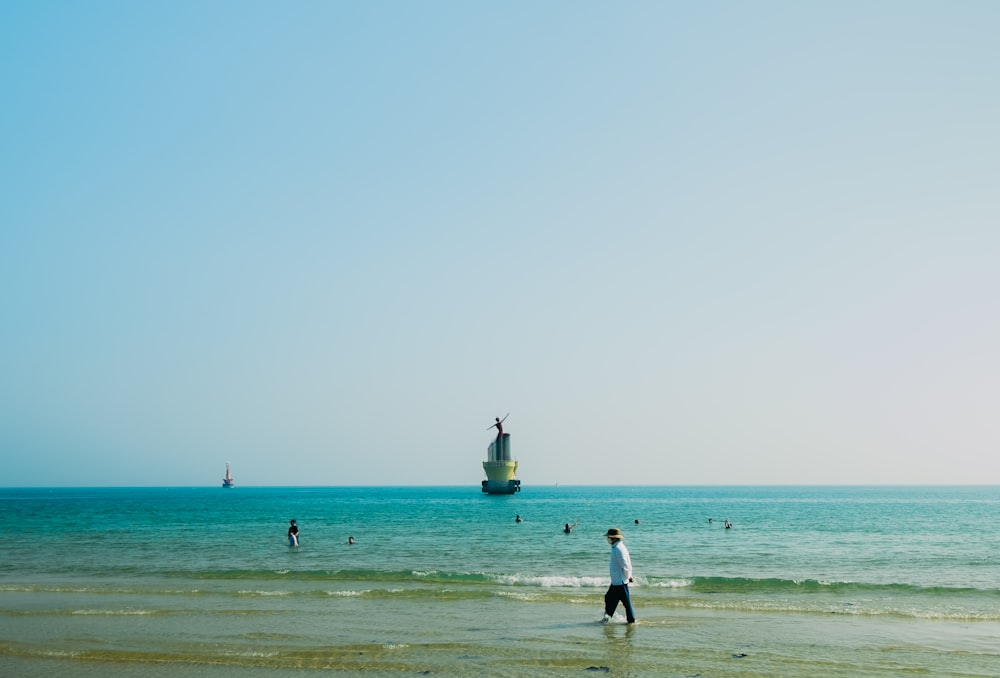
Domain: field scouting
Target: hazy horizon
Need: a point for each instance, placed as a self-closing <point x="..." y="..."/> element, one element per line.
<point x="477" y="491"/>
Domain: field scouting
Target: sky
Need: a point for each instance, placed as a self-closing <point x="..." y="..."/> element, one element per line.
<point x="680" y="243"/>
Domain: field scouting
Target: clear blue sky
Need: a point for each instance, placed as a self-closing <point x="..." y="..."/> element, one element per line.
<point x="680" y="242"/>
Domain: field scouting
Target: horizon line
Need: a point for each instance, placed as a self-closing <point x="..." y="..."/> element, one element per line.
<point x="551" y="485"/>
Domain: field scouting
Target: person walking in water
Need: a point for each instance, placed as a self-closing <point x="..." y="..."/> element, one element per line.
<point x="293" y="533"/>
<point x="621" y="577"/>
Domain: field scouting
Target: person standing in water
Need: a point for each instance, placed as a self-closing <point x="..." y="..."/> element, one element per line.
<point x="293" y="533"/>
<point x="621" y="577"/>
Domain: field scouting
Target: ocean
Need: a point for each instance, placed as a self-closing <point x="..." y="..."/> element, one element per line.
<point x="442" y="581"/>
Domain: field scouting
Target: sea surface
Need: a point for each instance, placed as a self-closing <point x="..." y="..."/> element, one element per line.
<point x="809" y="581"/>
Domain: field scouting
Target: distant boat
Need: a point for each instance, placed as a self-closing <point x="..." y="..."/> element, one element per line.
<point x="228" y="481"/>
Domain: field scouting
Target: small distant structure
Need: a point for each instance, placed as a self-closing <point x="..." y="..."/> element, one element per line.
<point x="499" y="466"/>
<point x="228" y="481"/>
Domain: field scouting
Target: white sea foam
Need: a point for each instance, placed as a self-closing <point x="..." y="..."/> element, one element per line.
<point x="517" y="595"/>
<point x="253" y="654"/>
<point x="550" y="581"/>
<point x="671" y="584"/>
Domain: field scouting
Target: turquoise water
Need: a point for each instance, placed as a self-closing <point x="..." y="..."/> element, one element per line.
<point x="809" y="581"/>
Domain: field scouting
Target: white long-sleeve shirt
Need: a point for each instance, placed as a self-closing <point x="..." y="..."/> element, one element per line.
<point x="621" y="563"/>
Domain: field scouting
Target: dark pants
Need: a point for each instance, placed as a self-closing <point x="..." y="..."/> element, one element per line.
<point x="618" y="593"/>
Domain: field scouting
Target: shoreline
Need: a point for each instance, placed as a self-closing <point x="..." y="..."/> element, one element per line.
<point x="503" y="637"/>
<point x="517" y="643"/>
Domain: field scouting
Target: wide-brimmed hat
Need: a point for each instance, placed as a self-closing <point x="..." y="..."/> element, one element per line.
<point x="614" y="533"/>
